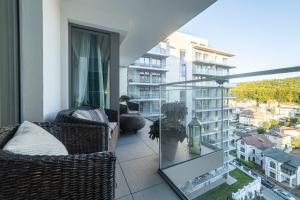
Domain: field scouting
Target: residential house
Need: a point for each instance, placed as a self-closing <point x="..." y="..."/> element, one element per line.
<point x="282" y="141"/>
<point x="281" y="166"/>
<point x="249" y="148"/>
<point x="291" y="131"/>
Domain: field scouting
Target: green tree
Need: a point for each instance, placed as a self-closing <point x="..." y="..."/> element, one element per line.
<point x="274" y="122"/>
<point x="281" y="90"/>
<point x="266" y="125"/>
<point x="261" y="130"/>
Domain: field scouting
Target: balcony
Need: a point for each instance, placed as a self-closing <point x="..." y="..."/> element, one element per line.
<point x="158" y="51"/>
<point x="146" y="96"/>
<point x="146" y="80"/>
<point x="142" y="66"/>
<point x="212" y="63"/>
<point x="204" y="72"/>
<point x="207" y="97"/>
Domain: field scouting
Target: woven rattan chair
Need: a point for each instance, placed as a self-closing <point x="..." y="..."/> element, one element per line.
<point x="86" y="173"/>
<point x="65" y="116"/>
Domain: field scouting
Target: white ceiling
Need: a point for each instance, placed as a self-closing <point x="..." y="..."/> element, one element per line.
<point x="142" y="23"/>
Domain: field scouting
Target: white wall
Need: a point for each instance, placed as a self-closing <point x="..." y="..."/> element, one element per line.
<point x="51" y="58"/>
<point x="31" y="46"/>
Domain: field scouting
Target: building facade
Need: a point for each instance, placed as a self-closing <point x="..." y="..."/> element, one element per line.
<point x="282" y="167"/>
<point x="249" y="148"/>
<point x="144" y="77"/>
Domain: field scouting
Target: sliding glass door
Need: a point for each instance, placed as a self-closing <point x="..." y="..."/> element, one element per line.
<point x="90" y="60"/>
<point x="9" y="63"/>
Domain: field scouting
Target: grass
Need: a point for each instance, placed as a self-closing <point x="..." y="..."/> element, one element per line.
<point x="248" y="164"/>
<point x="222" y="192"/>
<point x="296" y="192"/>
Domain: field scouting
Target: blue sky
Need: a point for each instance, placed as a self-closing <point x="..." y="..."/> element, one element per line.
<point x="263" y="34"/>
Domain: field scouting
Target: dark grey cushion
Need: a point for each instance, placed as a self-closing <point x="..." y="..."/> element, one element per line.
<point x="97" y="115"/>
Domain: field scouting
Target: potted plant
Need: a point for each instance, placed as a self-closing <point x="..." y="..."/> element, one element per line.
<point x="124" y="98"/>
<point x="172" y="128"/>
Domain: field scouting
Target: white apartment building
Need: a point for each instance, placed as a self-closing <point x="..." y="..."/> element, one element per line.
<point x="282" y="167"/>
<point x="144" y="77"/>
<point x="191" y="58"/>
<point x="249" y="148"/>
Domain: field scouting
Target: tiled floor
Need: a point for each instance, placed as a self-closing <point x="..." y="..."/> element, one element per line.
<point x="137" y="165"/>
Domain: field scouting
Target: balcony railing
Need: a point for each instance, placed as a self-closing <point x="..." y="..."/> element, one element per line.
<point x="146" y="95"/>
<point x="149" y="66"/>
<point x="146" y="81"/>
<point x="192" y="156"/>
<point x="159" y="51"/>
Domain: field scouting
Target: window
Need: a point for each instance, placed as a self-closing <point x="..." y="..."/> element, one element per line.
<point x="198" y="56"/>
<point x="225" y="61"/>
<point x="145" y="107"/>
<point x="253" y="151"/>
<point x="144" y="92"/>
<point x="205" y="57"/>
<point x="182" y="65"/>
<point x="156" y="77"/>
<point x="156" y="62"/>
<point x="144" y="77"/>
<point x="155" y="107"/>
<point x="272" y="165"/>
<point x="242" y="142"/>
<point x="242" y="149"/>
<point x="242" y="157"/>
<point x="155" y="92"/>
<point x="147" y="62"/>
<point x="273" y="175"/>
<point x="182" y="55"/>
<point x="90" y="60"/>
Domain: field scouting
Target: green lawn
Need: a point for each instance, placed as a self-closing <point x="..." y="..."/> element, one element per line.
<point x="296" y="192"/>
<point x="223" y="191"/>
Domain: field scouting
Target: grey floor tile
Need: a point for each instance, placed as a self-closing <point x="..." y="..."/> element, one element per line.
<point x="141" y="173"/>
<point x="128" y="197"/>
<point x="133" y="151"/>
<point x="122" y="188"/>
<point x="128" y="139"/>
<point x="152" y="144"/>
<point x="157" y="192"/>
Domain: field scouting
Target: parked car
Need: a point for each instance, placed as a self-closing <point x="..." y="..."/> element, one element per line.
<point x="267" y="183"/>
<point x="254" y="174"/>
<point x="283" y="194"/>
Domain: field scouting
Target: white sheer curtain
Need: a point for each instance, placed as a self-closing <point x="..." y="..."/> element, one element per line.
<point x="81" y="42"/>
<point x="100" y="75"/>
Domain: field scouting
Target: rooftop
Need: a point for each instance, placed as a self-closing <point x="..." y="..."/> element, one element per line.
<point x="259" y="141"/>
<point x="283" y="157"/>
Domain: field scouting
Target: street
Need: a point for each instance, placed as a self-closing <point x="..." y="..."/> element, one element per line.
<point x="269" y="194"/>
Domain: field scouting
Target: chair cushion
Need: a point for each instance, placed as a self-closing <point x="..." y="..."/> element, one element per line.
<point x="97" y="115"/>
<point x="30" y="139"/>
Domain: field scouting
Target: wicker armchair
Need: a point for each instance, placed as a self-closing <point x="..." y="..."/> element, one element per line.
<point x="65" y="116"/>
<point x="86" y="173"/>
